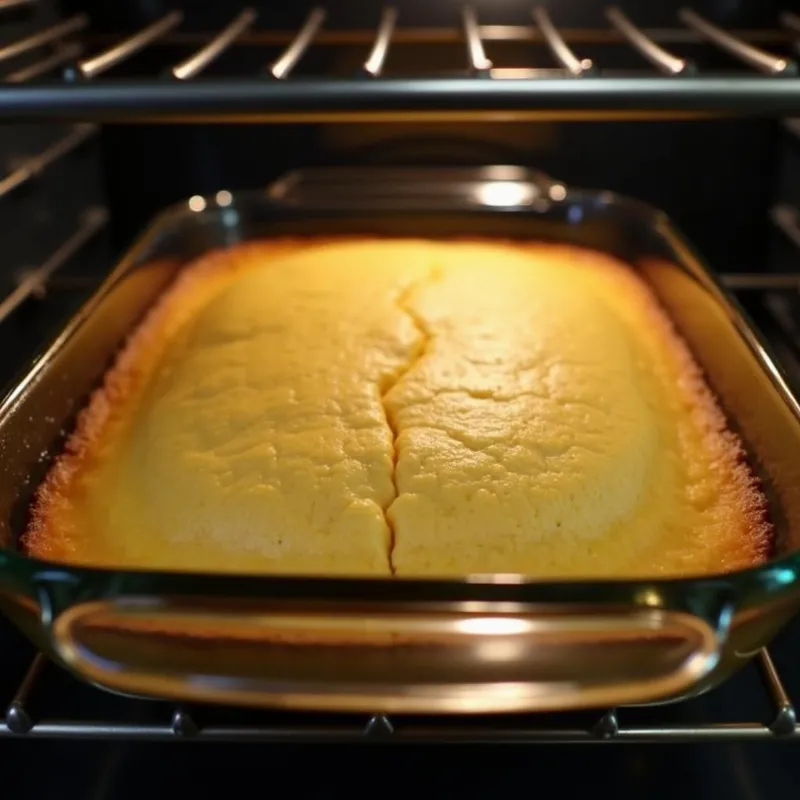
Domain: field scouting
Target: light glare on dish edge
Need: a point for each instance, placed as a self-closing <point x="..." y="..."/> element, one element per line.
<point x="494" y="626"/>
<point x="505" y="193"/>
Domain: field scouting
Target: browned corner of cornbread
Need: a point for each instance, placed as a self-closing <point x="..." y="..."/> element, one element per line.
<point x="50" y="533"/>
<point x="748" y="503"/>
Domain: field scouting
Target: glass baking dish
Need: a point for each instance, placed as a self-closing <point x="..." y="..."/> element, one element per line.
<point x="487" y="643"/>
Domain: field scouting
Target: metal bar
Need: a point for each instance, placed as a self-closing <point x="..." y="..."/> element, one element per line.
<point x="475" y="53"/>
<point x="120" y="731"/>
<point x="286" y="62"/>
<point x="93" y="220"/>
<point x="790" y="21"/>
<point x="34" y="165"/>
<point x="746" y="53"/>
<point x="196" y="63"/>
<point x="377" y="57"/>
<point x="787" y="221"/>
<point x="403" y="99"/>
<point x="10" y="5"/>
<point x="102" y="62"/>
<point x="17" y="717"/>
<point x="715" y="732"/>
<point x="46" y="36"/>
<point x="62" y="56"/>
<point x="558" y="47"/>
<point x="785" y="720"/>
<point x="443" y="733"/>
<point x="660" y="58"/>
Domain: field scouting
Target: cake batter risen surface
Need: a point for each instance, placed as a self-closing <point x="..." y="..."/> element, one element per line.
<point x="369" y="407"/>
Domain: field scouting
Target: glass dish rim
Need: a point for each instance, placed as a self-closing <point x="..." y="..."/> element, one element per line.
<point x="19" y="569"/>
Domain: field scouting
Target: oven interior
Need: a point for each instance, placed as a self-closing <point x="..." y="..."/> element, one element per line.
<point x="81" y="179"/>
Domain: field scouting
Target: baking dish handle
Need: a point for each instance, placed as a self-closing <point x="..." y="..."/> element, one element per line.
<point x="356" y="658"/>
<point x="451" y="188"/>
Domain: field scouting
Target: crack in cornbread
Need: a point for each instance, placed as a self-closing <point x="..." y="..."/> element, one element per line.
<point x="422" y="345"/>
<point x="365" y="407"/>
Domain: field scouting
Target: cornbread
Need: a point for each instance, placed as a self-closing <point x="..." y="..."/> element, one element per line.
<point x="409" y="407"/>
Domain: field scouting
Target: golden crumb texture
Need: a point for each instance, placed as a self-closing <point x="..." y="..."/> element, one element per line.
<point x="393" y="406"/>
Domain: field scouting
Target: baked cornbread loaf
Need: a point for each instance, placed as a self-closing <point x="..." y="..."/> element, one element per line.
<point x="370" y="407"/>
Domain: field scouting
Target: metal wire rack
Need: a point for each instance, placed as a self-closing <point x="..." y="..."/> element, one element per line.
<point x="28" y="715"/>
<point x="763" y="80"/>
<point x="138" y="720"/>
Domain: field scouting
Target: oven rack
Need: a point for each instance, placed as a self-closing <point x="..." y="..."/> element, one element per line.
<point x="572" y="87"/>
<point x="25" y="719"/>
<point x="32" y="708"/>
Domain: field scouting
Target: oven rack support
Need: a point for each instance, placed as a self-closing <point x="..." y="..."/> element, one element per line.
<point x="33" y="282"/>
<point x="33" y="166"/>
<point x="253" y="100"/>
<point x="668" y="85"/>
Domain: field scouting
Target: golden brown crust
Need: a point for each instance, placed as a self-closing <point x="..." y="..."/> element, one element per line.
<point x="720" y="442"/>
<point x="48" y="537"/>
<point x="44" y="537"/>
